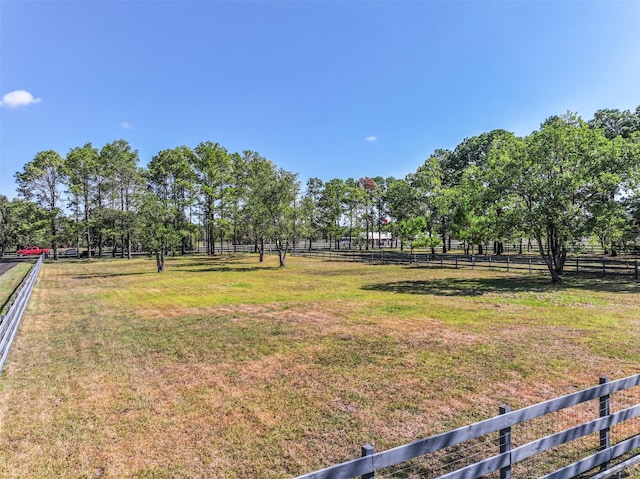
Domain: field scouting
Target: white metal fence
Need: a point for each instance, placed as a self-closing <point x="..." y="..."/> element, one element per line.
<point x="10" y="322"/>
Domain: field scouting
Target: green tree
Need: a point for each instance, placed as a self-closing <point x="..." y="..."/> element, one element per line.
<point x="331" y="209"/>
<point x="402" y="203"/>
<point x="81" y="167"/>
<point x="559" y="177"/>
<point x="172" y="178"/>
<point x="215" y="178"/>
<point x="353" y="202"/>
<point x="427" y="182"/>
<point x="124" y="181"/>
<point x="380" y="207"/>
<point x="155" y="223"/>
<point x="311" y="225"/>
<point x="412" y="231"/>
<point x="615" y="123"/>
<point x="238" y="194"/>
<point x="369" y="191"/>
<point x="9" y="224"/>
<point x="41" y="181"/>
<point x="271" y="205"/>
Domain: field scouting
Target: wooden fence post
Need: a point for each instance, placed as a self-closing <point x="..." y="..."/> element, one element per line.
<point x="635" y="265"/>
<point x="529" y="265"/>
<point x="577" y="266"/>
<point x="473" y="262"/>
<point x="505" y="444"/>
<point x="604" y="269"/>
<point x="508" y="264"/>
<point x="368" y="450"/>
<point x="605" y="434"/>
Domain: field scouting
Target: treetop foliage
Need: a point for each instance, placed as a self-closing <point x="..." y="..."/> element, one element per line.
<point x="569" y="180"/>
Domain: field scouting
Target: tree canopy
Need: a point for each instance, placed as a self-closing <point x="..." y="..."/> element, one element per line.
<point x="567" y="181"/>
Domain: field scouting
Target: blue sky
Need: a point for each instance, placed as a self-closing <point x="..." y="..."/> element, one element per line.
<point x="326" y="89"/>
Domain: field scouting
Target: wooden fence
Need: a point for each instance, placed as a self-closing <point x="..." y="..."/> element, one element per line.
<point x="611" y="410"/>
<point x="575" y="265"/>
<point x="10" y="322"/>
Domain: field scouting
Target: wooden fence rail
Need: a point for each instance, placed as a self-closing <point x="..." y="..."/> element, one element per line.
<point x="10" y="322"/>
<point x="611" y="458"/>
<point x="575" y="265"/>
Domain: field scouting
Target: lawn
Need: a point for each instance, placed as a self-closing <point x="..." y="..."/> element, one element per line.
<point x="226" y="368"/>
<point x="9" y="282"/>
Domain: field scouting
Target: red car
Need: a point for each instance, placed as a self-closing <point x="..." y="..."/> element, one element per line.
<point x="32" y="250"/>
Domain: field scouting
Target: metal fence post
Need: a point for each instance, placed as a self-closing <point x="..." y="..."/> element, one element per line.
<point x="605" y="434"/>
<point x="368" y="450"/>
<point x="505" y="444"/>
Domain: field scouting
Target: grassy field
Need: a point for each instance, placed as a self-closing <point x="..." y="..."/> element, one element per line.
<point x="227" y="368"/>
<point x="9" y="281"/>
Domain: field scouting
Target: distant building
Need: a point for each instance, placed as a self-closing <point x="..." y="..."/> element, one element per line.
<point x="379" y="239"/>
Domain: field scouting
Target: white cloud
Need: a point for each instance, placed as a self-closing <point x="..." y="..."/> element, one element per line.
<point x="126" y="125"/>
<point x="371" y="138"/>
<point x="18" y="98"/>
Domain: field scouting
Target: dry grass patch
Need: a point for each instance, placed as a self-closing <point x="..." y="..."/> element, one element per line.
<point x="222" y="367"/>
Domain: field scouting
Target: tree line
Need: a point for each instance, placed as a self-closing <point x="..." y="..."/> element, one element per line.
<point x="566" y="181"/>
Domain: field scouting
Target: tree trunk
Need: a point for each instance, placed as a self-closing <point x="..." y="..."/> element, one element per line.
<point x="53" y="237"/>
<point x="556" y="278"/>
<point x="86" y="219"/>
<point x="282" y="253"/>
<point x="160" y="260"/>
<point x="261" y="250"/>
<point x="235" y="236"/>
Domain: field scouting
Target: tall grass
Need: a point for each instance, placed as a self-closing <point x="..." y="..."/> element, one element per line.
<point x="224" y="367"/>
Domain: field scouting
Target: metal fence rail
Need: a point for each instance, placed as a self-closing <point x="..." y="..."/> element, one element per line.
<point x="577" y="265"/>
<point x="606" y="440"/>
<point x="10" y="322"/>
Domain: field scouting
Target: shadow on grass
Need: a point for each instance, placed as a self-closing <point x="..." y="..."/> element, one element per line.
<point x="110" y="275"/>
<point x="222" y="264"/>
<point x="507" y="284"/>
<point x="229" y="269"/>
